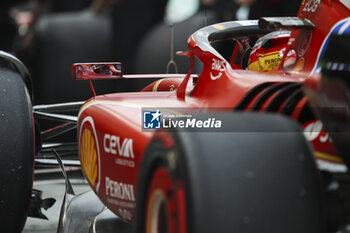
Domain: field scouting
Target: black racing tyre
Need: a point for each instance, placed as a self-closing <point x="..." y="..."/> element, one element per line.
<point x="16" y="151"/>
<point x="257" y="176"/>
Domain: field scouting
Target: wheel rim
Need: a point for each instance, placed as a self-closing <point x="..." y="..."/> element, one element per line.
<point x="165" y="206"/>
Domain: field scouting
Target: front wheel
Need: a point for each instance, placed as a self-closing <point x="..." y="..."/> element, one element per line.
<point x="257" y="176"/>
<point x="16" y="151"/>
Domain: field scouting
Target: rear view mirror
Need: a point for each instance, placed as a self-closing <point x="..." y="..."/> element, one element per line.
<point x="103" y="70"/>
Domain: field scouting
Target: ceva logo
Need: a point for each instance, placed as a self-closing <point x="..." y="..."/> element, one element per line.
<point x="151" y="119"/>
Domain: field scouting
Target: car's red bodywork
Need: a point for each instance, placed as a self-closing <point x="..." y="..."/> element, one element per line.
<point x="111" y="138"/>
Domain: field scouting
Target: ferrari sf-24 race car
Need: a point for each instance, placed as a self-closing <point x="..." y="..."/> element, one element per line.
<point x="220" y="151"/>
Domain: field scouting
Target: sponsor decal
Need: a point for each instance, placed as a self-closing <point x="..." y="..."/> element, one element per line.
<point x="119" y="190"/>
<point x="113" y="145"/>
<point x="215" y="77"/>
<point x="266" y="62"/>
<point x="311" y="5"/>
<point x="90" y="153"/>
<point x="151" y="119"/>
<point x="123" y="204"/>
<point x="315" y="130"/>
<point x="217" y="66"/>
<point x="125" y="162"/>
<point x="273" y="60"/>
<point x="123" y="148"/>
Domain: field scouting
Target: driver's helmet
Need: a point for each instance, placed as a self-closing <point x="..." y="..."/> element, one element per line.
<point x="267" y="52"/>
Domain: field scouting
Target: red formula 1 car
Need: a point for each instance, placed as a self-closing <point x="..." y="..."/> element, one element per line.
<point x="210" y="152"/>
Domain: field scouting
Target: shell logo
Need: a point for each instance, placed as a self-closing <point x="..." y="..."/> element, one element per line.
<point x="88" y="156"/>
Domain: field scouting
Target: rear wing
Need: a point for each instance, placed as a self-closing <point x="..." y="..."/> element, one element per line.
<point x="274" y="23"/>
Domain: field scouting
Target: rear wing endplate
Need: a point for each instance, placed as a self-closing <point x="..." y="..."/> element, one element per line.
<point x="274" y="23"/>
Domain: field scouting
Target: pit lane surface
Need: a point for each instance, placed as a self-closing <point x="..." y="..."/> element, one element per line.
<point x="55" y="189"/>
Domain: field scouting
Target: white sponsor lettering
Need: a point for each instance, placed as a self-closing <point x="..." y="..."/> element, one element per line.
<point x="215" y="77"/>
<point x="311" y="5"/>
<point x="119" y="190"/>
<point x="218" y="65"/>
<point x="112" y="145"/>
<point x="314" y="131"/>
<point x="324" y="138"/>
<point x="124" y="204"/>
<point x="125" y="162"/>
